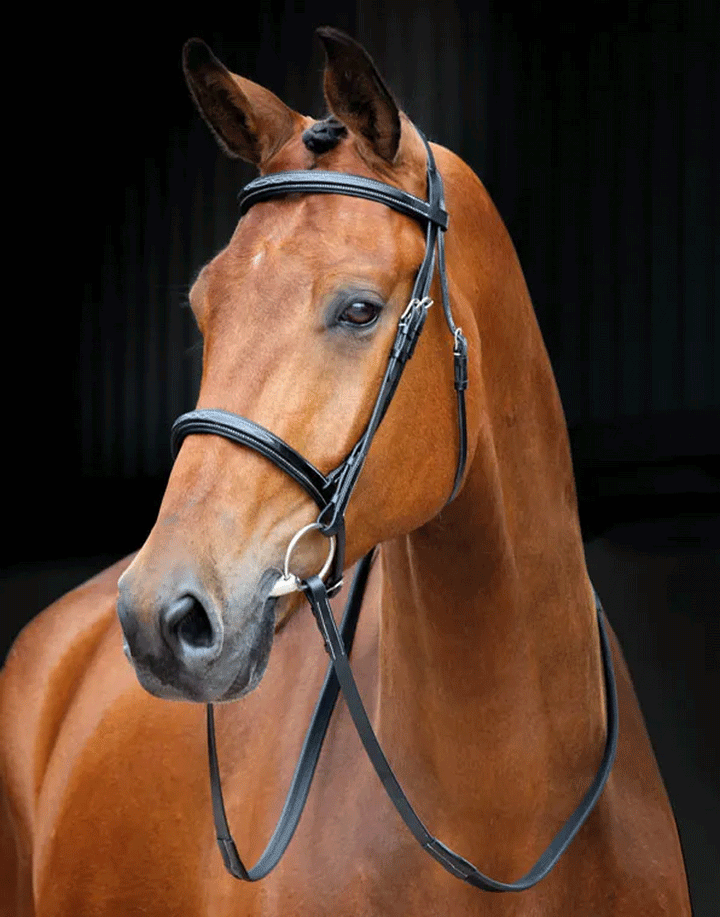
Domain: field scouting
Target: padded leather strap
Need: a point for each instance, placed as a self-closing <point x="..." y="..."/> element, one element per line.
<point x="248" y="433"/>
<point x="323" y="489"/>
<point x="318" y="181"/>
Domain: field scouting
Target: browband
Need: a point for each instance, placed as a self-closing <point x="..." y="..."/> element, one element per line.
<point x="322" y="182"/>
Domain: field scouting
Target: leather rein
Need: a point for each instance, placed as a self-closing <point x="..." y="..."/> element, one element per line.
<point x="332" y="493"/>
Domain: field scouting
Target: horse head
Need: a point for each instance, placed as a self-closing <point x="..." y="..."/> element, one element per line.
<point x="298" y="314"/>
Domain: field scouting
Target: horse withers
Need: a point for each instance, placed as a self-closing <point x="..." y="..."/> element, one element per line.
<point x="478" y="654"/>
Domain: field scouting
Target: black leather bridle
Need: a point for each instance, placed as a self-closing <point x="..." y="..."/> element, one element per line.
<point x="332" y="493"/>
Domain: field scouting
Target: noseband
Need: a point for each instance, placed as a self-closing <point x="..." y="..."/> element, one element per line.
<point x="332" y="493"/>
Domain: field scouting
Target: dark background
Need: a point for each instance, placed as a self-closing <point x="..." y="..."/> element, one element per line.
<point x="596" y="133"/>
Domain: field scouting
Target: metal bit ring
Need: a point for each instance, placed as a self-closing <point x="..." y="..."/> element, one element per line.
<point x="289" y="582"/>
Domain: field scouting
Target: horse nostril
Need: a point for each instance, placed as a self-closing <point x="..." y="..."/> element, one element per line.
<point x="187" y="625"/>
<point x="195" y="628"/>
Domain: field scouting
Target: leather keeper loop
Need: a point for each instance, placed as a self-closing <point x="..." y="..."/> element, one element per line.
<point x="460" y="355"/>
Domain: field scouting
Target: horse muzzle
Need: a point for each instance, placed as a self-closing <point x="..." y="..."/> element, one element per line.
<point x="185" y="645"/>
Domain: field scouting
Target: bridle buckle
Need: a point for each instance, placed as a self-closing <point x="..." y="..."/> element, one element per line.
<point x="415" y="304"/>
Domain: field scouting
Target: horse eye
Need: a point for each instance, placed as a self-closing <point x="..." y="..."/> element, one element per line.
<point x="359" y="314"/>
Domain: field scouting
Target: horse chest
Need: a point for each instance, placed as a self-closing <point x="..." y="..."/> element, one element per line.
<point x="124" y="822"/>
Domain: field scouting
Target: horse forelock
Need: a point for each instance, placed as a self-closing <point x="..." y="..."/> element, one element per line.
<point x="331" y="145"/>
<point x="324" y="135"/>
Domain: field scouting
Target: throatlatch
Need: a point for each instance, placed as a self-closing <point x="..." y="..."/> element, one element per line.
<point x="332" y="493"/>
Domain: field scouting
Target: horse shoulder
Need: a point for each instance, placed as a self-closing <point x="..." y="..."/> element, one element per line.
<point x="43" y="669"/>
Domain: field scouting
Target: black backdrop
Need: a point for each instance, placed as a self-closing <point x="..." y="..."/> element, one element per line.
<point x="596" y="133"/>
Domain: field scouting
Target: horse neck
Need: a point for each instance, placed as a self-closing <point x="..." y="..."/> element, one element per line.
<point x="490" y="670"/>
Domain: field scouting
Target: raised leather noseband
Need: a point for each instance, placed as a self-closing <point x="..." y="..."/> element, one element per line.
<point x="248" y="433"/>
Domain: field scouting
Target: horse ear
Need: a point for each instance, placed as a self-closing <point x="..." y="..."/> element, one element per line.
<point x="357" y="94"/>
<point x="248" y="121"/>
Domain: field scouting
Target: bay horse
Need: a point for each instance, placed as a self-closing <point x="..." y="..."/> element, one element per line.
<point x="478" y="652"/>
